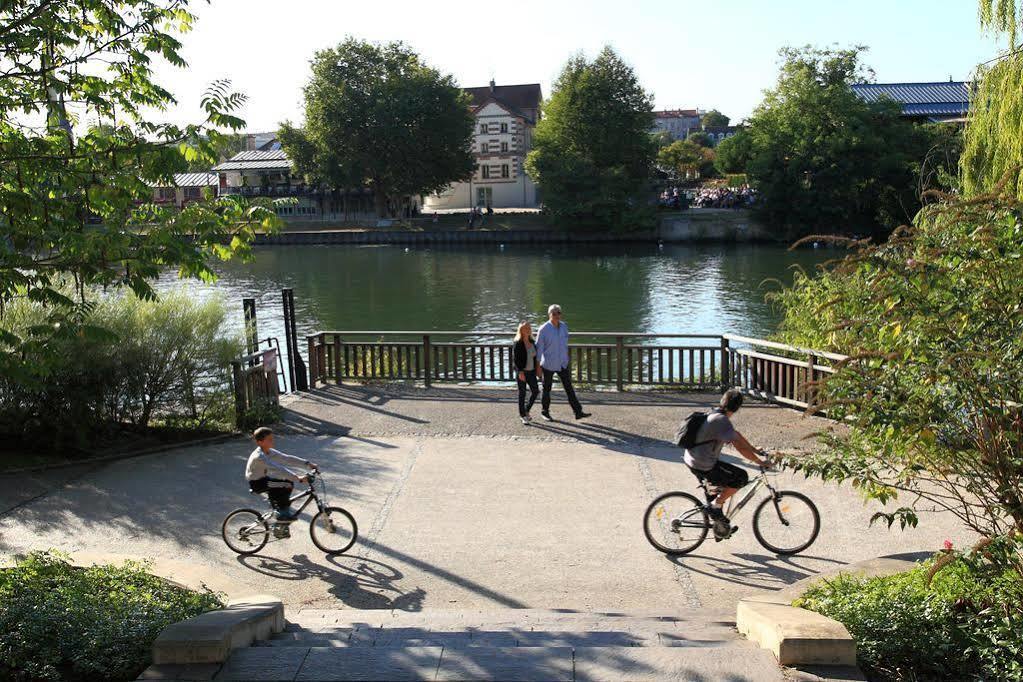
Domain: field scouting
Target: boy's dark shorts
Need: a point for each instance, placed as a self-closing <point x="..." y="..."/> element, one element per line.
<point x="724" y="475"/>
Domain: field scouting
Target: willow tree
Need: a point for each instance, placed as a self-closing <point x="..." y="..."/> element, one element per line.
<point x="993" y="143"/>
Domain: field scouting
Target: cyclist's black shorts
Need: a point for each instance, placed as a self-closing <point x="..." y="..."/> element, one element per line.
<point x="724" y="475"/>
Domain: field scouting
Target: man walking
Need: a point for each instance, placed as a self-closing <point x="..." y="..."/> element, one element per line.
<point x="552" y="352"/>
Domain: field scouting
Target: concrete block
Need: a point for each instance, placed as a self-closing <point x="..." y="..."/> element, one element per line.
<point x="210" y="637"/>
<point x="796" y="636"/>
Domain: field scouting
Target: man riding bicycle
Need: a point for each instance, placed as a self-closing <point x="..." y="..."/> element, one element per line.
<point x="703" y="459"/>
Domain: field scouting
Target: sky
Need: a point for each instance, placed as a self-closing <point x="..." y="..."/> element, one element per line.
<point x="711" y="55"/>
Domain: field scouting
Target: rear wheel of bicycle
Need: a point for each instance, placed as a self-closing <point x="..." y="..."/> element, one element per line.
<point x="676" y="523"/>
<point x="333" y="530"/>
<point x="786" y="523"/>
<point x="245" y="531"/>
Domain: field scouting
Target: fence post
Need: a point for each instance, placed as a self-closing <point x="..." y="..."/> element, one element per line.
<point x="618" y="352"/>
<point x="427" y="365"/>
<point x="314" y="370"/>
<point x="337" y="359"/>
<point x="811" y="392"/>
<point x="726" y="374"/>
<point x="239" y="393"/>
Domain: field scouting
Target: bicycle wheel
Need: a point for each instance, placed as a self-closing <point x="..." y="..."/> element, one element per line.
<point x="786" y="523"/>
<point x="333" y="530"/>
<point x="245" y="531"/>
<point x="675" y="523"/>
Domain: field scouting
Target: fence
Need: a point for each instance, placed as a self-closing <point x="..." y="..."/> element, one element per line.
<point x="683" y="361"/>
<point x="254" y="383"/>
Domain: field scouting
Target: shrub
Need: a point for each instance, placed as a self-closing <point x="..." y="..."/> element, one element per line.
<point x="965" y="624"/>
<point x="59" y="622"/>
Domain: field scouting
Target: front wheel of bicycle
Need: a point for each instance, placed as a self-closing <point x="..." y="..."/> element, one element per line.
<point x="245" y="531"/>
<point x="786" y="523"/>
<point x="676" y="523"/>
<point x="333" y="530"/>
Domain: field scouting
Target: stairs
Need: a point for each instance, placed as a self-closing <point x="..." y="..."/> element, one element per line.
<point x="503" y="644"/>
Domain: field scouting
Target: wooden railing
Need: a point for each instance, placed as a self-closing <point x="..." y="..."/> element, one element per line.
<point x="685" y="361"/>
<point x="253" y="384"/>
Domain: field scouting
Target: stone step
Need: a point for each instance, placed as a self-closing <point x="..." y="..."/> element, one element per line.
<point x="480" y="638"/>
<point x="733" y="661"/>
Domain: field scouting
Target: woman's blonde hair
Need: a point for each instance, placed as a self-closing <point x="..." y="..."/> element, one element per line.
<point x="518" y="332"/>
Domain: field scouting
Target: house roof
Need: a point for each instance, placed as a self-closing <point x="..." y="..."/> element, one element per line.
<point x="518" y="98"/>
<point x="195" y="179"/>
<point x="256" y="160"/>
<point x="677" y="113"/>
<point x="944" y="99"/>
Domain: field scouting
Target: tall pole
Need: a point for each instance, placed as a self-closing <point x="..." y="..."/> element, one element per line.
<point x="251" y="333"/>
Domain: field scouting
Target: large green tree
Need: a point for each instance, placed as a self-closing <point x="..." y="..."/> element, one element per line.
<point x="79" y="156"/>
<point x="592" y="152"/>
<point x="733" y="153"/>
<point x="685" y="160"/>
<point x="377" y="115"/>
<point x="822" y="159"/>
<point x="714" y="119"/>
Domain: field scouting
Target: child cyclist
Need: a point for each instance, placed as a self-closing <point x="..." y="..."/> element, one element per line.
<point x="267" y="472"/>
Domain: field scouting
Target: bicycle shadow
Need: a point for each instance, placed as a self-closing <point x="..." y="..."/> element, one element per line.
<point x="356" y="582"/>
<point x="760" y="571"/>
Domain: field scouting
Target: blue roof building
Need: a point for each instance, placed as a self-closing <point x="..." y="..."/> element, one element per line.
<point x="943" y="101"/>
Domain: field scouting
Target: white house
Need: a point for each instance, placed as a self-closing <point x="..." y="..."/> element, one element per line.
<point x="677" y="122"/>
<point x="506" y="116"/>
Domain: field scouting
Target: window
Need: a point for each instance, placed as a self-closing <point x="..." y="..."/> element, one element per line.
<point x="504" y="127"/>
<point x="483" y="147"/>
<point x="504" y="146"/>
<point x="193" y="193"/>
<point x="504" y="170"/>
<point x="483" y="127"/>
<point x="167" y="194"/>
<point x="486" y="172"/>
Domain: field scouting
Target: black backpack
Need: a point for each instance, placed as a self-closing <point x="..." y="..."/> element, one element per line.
<point x="685" y="437"/>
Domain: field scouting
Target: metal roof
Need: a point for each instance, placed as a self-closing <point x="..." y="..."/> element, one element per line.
<point x="950" y="98"/>
<point x="195" y="179"/>
<point x="256" y="160"/>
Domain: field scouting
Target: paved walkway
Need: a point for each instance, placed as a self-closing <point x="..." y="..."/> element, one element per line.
<point x="459" y="506"/>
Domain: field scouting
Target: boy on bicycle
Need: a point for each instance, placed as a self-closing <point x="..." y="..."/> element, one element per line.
<point x="267" y="472"/>
<point x="703" y="459"/>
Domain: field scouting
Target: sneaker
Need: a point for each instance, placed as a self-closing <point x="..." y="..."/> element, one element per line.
<point x="526" y="420"/>
<point x="583" y="415"/>
<point x="547" y="416"/>
<point x="282" y="530"/>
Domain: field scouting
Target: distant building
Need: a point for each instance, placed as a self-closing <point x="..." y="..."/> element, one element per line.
<point x="677" y="122"/>
<point x="187" y="187"/>
<point x="718" y="133"/>
<point x="506" y="116"/>
<point x="922" y="102"/>
<point x="268" y="173"/>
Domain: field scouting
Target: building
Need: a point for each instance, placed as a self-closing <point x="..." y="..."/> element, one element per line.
<point x="187" y="187"/>
<point x="922" y="102"/>
<point x="268" y="173"/>
<point x="677" y="122"/>
<point x="506" y="116"/>
<point x="718" y="133"/>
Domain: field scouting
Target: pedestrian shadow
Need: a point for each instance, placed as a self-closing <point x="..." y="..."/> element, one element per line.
<point x="760" y="571"/>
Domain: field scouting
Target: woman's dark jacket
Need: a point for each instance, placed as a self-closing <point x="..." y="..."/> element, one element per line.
<point x="519" y="355"/>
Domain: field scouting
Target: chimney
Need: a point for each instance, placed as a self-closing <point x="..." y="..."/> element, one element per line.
<point x="492" y="86"/>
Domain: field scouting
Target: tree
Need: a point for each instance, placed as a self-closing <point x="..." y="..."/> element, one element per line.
<point x="377" y="115"/>
<point x="825" y="161"/>
<point x="661" y="139"/>
<point x="223" y="148"/>
<point x="714" y="119"/>
<point x="684" y="160"/>
<point x="592" y="152"/>
<point x="78" y="160"/>
<point x="732" y="155"/>
<point x="700" y="138"/>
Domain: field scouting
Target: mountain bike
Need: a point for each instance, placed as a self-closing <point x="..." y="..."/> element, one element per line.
<point x="332" y="529"/>
<point x="785" y="522"/>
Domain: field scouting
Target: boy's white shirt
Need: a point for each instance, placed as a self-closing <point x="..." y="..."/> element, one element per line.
<point x="271" y="464"/>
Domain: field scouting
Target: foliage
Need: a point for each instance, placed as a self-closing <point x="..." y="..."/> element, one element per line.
<point x="223" y="147"/>
<point x="592" y="152"/>
<point x="933" y="322"/>
<point x="377" y="115"/>
<point x="154" y="362"/>
<point x="965" y="624"/>
<point x="732" y="154"/>
<point x="993" y="144"/>
<point x="59" y="622"/>
<point x="78" y="160"/>
<point x="825" y="161"/>
<point x="714" y="119"/>
<point x="661" y="139"/>
<point x="260" y="413"/>
<point x="685" y="159"/>
<point x="700" y="138"/>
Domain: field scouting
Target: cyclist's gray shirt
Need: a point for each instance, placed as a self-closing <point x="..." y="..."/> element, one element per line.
<point x="718" y="430"/>
<point x="272" y="464"/>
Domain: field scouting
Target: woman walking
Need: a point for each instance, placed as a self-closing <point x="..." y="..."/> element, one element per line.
<point x="527" y="369"/>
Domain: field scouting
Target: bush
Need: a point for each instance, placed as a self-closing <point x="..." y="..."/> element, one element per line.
<point x="124" y="361"/>
<point x="967" y="624"/>
<point x="59" y="622"/>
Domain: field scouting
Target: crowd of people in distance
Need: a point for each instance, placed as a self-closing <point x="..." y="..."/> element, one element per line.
<point x="742" y="196"/>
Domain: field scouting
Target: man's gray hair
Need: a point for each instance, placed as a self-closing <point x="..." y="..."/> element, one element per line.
<point x="553" y="308"/>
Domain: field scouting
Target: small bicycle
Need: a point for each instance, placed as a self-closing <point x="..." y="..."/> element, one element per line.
<point x="332" y="529"/>
<point x="786" y="522"/>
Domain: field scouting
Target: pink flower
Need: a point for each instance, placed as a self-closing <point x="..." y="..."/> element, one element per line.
<point x="948" y="545"/>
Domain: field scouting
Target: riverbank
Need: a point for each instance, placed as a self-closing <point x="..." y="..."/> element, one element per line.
<point x="692" y="226"/>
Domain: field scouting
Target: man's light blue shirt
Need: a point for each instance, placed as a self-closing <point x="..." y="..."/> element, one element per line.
<point x="552" y="346"/>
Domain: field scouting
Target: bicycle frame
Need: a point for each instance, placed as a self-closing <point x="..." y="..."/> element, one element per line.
<point x="734" y="507"/>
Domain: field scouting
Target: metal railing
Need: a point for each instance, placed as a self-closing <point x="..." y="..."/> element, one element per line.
<point x="683" y="361"/>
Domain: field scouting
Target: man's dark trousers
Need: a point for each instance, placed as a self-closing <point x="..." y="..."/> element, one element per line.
<point x="566" y="380"/>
